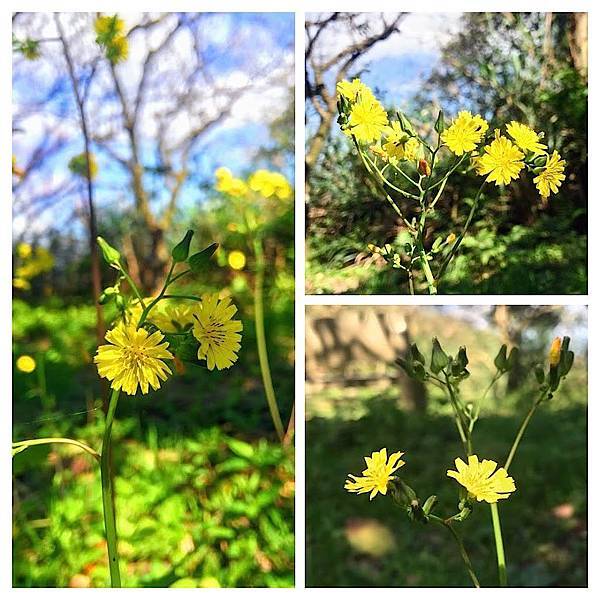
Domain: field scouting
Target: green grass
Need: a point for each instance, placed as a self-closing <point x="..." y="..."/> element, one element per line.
<point x="352" y="542"/>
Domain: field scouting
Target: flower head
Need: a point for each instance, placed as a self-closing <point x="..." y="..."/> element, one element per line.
<point x="217" y="333"/>
<point x="368" y="119"/>
<point x="377" y="474"/>
<point x="481" y="481"/>
<point x="133" y="357"/>
<point x="228" y="184"/>
<point x="172" y="317"/>
<point x="525" y="137"/>
<point x="236" y="260"/>
<point x="351" y="90"/>
<point x="465" y="132"/>
<point x="26" y="363"/>
<point x="269" y="183"/>
<point x="399" y="146"/>
<point x="551" y="178"/>
<point x="501" y="161"/>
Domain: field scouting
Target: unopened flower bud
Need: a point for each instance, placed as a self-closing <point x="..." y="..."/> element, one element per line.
<point x="451" y="237"/>
<point x="424" y="168"/>
<point x="554" y="357"/>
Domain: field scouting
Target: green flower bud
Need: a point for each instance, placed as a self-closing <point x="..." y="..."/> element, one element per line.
<point x="440" y="126"/>
<point x="199" y="261"/>
<point x="500" y="360"/>
<point x="111" y="255"/>
<point x="182" y="249"/>
<point x="439" y="359"/>
<point x="429" y="504"/>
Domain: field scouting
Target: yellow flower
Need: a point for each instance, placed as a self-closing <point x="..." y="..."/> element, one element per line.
<point x="24" y="250"/>
<point x="133" y="357"/>
<point x="551" y="178"/>
<point x="21" y="284"/>
<point x="236" y="260"/>
<point x="481" y="481"/>
<point x="351" y="90"/>
<point x="465" y="132"/>
<point x="399" y="146"/>
<point x="554" y="357"/>
<point x="108" y="27"/>
<point x="368" y="120"/>
<point x="525" y="137"/>
<point x="269" y="183"/>
<point x="26" y="363"/>
<point x="502" y="161"/>
<point x="118" y="49"/>
<point x="377" y="474"/>
<point x="217" y="333"/>
<point x="228" y="184"/>
<point x="171" y="317"/>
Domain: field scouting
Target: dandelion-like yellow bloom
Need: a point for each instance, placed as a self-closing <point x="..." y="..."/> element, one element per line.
<point x="525" y="137"/>
<point x="464" y="133"/>
<point x="368" y="120"/>
<point x="117" y="50"/>
<point x="269" y="183"/>
<point x="26" y="363"/>
<point x="107" y="27"/>
<point x="398" y="147"/>
<point x="501" y="161"/>
<point x="133" y="358"/>
<point x="236" y="260"/>
<point x="217" y="333"/>
<point x="351" y="90"/>
<point x="551" y="178"/>
<point x="24" y="250"/>
<point x="481" y="481"/>
<point x="172" y="317"/>
<point x="228" y="184"/>
<point x="376" y="476"/>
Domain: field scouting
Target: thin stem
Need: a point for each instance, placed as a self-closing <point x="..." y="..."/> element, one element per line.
<point x="134" y="287"/>
<point x="108" y="500"/>
<point x="521" y="432"/>
<point x="261" y="342"/>
<point x="40" y="441"/>
<point x="461" y="547"/>
<point x="475" y="416"/>
<point x="182" y="297"/>
<point x="502" y="578"/>
<point x="462" y="234"/>
<point x="158" y="298"/>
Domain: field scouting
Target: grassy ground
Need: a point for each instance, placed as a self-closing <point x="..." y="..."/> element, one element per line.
<point x="354" y="542"/>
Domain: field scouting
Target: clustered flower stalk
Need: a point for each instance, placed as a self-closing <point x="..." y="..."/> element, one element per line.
<point x="254" y="201"/>
<point x="480" y="480"/>
<point x="148" y="339"/>
<point x="406" y="169"/>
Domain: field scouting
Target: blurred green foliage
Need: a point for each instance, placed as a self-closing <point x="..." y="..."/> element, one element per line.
<point x="503" y="66"/>
<point x="354" y="542"/>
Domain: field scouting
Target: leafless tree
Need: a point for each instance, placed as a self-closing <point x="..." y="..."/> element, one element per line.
<point x="326" y="63"/>
<point x="150" y="115"/>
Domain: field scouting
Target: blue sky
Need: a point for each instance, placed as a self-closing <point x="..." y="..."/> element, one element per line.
<point x="236" y="46"/>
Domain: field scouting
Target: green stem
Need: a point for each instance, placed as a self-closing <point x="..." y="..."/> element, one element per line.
<point x="108" y="500"/>
<point x="261" y="342"/>
<point x="160" y="296"/>
<point x="431" y="285"/>
<point x="462" y="234"/>
<point x="521" y="432"/>
<point x="502" y="578"/>
<point x="40" y="441"/>
<point x="133" y="286"/>
<point x="182" y="297"/>
<point x="461" y="547"/>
